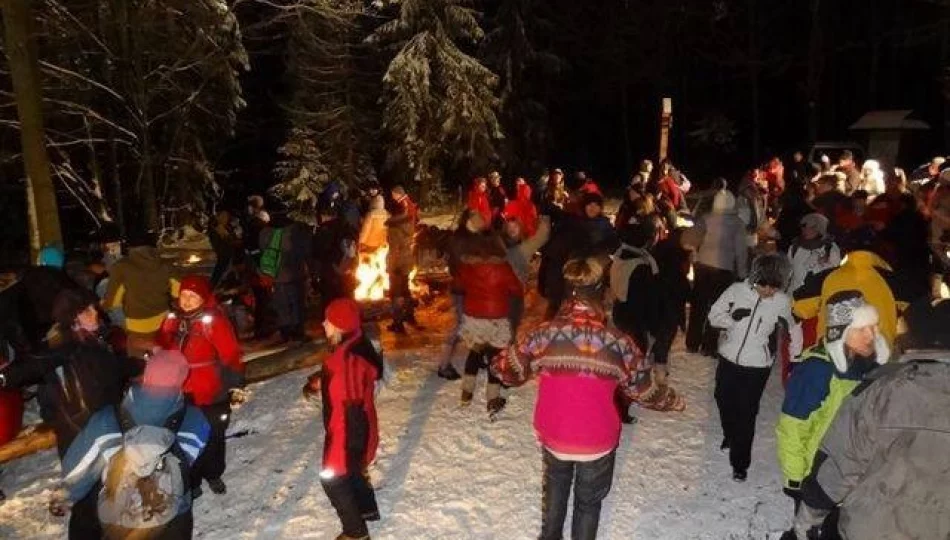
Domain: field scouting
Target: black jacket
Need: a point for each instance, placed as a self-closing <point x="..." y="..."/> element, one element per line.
<point x="75" y="380"/>
<point x="650" y="309"/>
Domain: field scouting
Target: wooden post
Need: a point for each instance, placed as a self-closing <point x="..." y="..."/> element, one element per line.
<point x="666" y="122"/>
<point x="40" y="193"/>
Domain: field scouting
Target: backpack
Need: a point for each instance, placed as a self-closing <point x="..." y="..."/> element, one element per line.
<point x="146" y="483"/>
<point x="270" y="257"/>
<point x="826" y="245"/>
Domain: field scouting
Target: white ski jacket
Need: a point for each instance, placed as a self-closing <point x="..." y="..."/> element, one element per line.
<point x="746" y="342"/>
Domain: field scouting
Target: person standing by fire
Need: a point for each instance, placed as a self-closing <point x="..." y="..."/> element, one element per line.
<point x="401" y="228"/>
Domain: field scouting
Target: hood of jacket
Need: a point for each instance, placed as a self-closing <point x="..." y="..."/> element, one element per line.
<point x="149" y="408"/>
<point x="523" y="192"/>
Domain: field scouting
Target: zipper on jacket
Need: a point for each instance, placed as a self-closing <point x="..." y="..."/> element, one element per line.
<point x="748" y="329"/>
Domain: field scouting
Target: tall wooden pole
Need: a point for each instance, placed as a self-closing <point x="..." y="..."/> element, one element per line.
<point x="24" y="70"/>
<point x="666" y="122"/>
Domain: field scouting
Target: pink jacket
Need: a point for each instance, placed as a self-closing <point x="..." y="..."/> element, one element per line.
<point x="575" y="413"/>
<point x="581" y="362"/>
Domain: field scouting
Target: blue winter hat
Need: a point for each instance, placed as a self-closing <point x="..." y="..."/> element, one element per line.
<point x="52" y="256"/>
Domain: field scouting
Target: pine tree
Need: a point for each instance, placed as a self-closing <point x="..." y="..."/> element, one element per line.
<point x="334" y="87"/>
<point x="139" y="97"/>
<point x="439" y="103"/>
<point x="513" y="49"/>
<point x="302" y="174"/>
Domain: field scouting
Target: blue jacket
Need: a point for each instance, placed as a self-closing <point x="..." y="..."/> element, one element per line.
<point x="90" y="452"/>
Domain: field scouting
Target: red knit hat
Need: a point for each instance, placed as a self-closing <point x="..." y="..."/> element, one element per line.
<point x="344" y="313"/>
<point x="199" y="285"/>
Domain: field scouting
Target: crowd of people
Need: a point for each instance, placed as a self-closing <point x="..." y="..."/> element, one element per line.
<point x="808" y="266"/>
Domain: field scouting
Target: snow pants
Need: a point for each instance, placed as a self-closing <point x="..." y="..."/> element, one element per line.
<point x="738" y="392"/>
<point x="353" y="499"/>
<point x="591" y="482"/>
<point x="708" y="286"/>
<point x="515" y="314"/>
<point x="290" y="304"/>
<point x="402" y="304"/>
<point x="480" y="358"/>
<point x="454" y="338"/>
<point x="211" y="463"/>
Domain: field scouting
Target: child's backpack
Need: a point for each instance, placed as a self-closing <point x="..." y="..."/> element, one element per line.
<point x="270" y="257"/>
<point x="146" y="482"/>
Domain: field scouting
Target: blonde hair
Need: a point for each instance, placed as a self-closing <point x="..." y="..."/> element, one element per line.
<point x="583" y="272"/>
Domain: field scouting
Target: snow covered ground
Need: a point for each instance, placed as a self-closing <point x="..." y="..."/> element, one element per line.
<point x="448" y="473"/>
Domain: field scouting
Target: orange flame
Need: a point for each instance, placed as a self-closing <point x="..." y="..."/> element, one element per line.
<point x="372" y="276"/>
<point x="417" y="288"/>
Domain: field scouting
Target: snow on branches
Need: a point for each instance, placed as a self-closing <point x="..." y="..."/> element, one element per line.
<point x="440" y="102"/>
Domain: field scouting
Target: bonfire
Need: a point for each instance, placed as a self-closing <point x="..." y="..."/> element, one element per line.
<point x="371" y="276"/>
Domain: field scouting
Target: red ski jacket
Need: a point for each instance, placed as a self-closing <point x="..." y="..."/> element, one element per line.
<point x="478" y="202"/>
<point x="523" y="209"/>
<point x="488" y="284"/>
<point x="208" y="342"/>
<point x="347" y="384"/>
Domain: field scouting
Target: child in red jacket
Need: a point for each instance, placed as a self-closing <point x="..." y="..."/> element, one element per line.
<point x="205" y="336"/>
<point x="347" y="383"/>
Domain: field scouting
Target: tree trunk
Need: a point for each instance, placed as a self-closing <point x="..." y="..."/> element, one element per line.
<point x="625" y="121"/>
<point x="753" y="59"/>
<point x="116" y="185"/>
<point x="41" y="194"/>
<point x="875" y="61"/>
<point x="148" y="196"/>
<point x="815" y="68"/>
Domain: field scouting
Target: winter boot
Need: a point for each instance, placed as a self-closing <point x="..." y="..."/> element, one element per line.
<point x="449" y="373"/>
<point x="739" y="475"/>
<point x="196" y="493"/>
<point x="660" y="375"/>
<point x="347" y="537"/>
<point x="495" y="407"/>
<point x="725" y="444"/>
<point x="466" y="398"/>
<point x="371" y="516"/>
<point x="217" y="486"/>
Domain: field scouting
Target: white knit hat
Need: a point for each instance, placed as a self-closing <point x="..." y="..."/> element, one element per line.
<point x="847" y="310"/>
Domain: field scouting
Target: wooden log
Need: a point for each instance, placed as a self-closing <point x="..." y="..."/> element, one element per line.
<point x="29" y="441"/>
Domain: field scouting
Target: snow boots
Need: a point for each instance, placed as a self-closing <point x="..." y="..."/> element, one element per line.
<point x="449" y="373"/>
<point x="495" y="407"/>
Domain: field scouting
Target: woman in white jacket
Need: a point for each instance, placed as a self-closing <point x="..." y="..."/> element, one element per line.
<point x="755" y="317"/>
<point x="813" y="252"/>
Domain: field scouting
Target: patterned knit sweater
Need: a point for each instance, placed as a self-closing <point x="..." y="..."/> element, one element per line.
<point x="581" y="362"/>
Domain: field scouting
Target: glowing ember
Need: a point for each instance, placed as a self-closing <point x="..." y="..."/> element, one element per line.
<point x="371" y="275"/>
<point x="193" y="259"/>
<point x="690" y="276"/>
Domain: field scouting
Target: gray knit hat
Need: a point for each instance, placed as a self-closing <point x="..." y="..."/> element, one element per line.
<point x="817" y="222"/>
